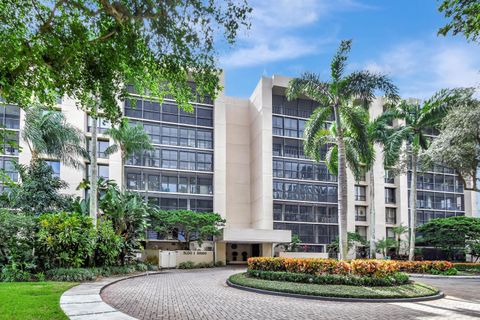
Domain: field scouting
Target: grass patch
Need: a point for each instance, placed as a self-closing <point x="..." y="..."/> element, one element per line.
<point x="32" y="300"/>
<point x="412" y="290"/>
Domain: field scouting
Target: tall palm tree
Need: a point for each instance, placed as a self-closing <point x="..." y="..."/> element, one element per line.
<point x="128" y="140"/>
<point x="417" y="118"/>
<point x="339" y="97"/>
<point x="48" y="134"/>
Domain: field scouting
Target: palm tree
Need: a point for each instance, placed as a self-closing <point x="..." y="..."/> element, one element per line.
<point x="48" y="134"/>
<point x="418" y="119"/>
<point x="129" y="140"/>
<point x="399" y="231"/>
<point x="339" y="97"/>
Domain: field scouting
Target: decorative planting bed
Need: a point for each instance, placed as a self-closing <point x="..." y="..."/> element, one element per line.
<point x="354" y="279"/>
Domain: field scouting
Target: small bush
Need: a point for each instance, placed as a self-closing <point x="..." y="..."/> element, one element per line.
<point x="108" y="245"/>
<point x="394" y="279"/>
<point x="72" y="274"/>
<point x="186" y="265"/>
<point x="153" y="260"/>
<point x="467" y="267"/>
<point x="142" y="267"/>
<point x="219" y="264"/>
<point x="14" y="272"/>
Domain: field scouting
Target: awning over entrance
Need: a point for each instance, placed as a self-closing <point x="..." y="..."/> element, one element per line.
<point x="255" y="235"/>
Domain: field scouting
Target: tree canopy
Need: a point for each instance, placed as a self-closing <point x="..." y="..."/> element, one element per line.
<point x="91" y="50"/>
<point x="193" y="226"/>
<point x="464" y="17"/>
<point x="458" y="144"/>
<point x="449" y="234"/>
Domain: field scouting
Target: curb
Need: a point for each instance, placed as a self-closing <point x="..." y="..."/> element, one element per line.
<point x="439" y="295"/>
<point x="84" y="301"/>
<point x="433" y="276"/>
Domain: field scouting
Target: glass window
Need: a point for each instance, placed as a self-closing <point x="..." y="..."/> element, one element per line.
<point x="154" y="182"/>
<point x="391" y="215"/>
<point x="204" y="185"/>
<point x="102" y="171"/>
<point x="389" y="176"/>
<point x="151" y="110"/>
<point x="55" y="165"/>
<point x="102" y="124"/>
<point x="11" y="144"/>
<point x="187" y="160"/>
<point x="102" y="145"/>
<point x="362" y="231"/>
<point x="183" y="184"/>
<point x="169" y="183"/>
<point x="169" y="159"/>
<point x="360" y="193"/>
<point x="277" y="123"/>
<point x="169" y="112"/>
<point x="12" y="117"/>
<point x="134" y="180"/>
<point x="204" y="139"/>
<point x="277" y="190"/>
<point x="291" y="169"/>
<point x="390" y="233"/>
<point x="360" y="213"/>
<point x="187" y="137"/>
<point x="389" y="195"/>
<point x="170" y="135"/>
<point x="133" y="108"/>
<point x="205" y="117"/>
<point x="306" y="171"/>
<point x="277" y="212"/>
<point x="153" y="131"/>
<point x="187" y="117"/>
<point x="204" y="162"/>
<point x="439" y="182"/>
<point x="278" y="168"/>
<point x="291" y="127"/>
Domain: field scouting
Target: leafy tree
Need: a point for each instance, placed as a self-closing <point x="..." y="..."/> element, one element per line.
<point x="193" y="226"/>
<point x="38" y="192"/>
<point x="129" y="140"/>
<point x="17" y="235"/>
<point x="48" y="134"/>
<point x="464" y="17"/>
<point x="458" y="144"/>
<point x="451" y="234"/>
<point x="97" y="51"/>
<point x="128" y="212"/>
<point x="417" y="120"/>
<point x="65" y="240"/>
<point x="339" y="98"/>
<point x="383" y="245"/>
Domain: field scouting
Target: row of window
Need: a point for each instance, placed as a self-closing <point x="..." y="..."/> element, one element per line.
<point x="292" y="148"/>
<point x="304" y="192"/>
<point x="165" y="182"/>
<point x="174" y="159"/>
<point x="305" y="213"/>
<point x="390" y="214"/>
<point x="178" y="135"/>
<point x="168" y="112"/>
<point x="173" y="203"/>
<point x="439" y="201"/>
<point x="438" y="182"/>
<point x="196" y="97"/>
<point x="298" y="108"/>
<point x="288" y="127"/>
<point x="301" y="170"/>
<point x="310" y="233"/>
<point x="8" y="167"/>
<point x="425" y="216"/>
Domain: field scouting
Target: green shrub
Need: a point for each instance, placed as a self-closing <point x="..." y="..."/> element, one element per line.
<point x="186" y="265"/>
<point x="65" y="239"/>
<point x="395" y="279"/>
<point x="468" y="267"/>
<point x="219" y="264"/>
<point x="142" y="267"/>
<point x="14" y="272"/>
<point x="72" y="274"/>
<point x="450" y="272"/>
<point x="152" y="260"/>
<point x="108" y="245"/>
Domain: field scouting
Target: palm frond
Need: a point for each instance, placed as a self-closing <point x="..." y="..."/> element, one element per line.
<point x="331" y="159"/>
<point x="315" y="133"/>
<point x="338" y="64"/>
<point x="310" y="85"/>
<point x="355" y="121"/>
<point x="362" y="85"/>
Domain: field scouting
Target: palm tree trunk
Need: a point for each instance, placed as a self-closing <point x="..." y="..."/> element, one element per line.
<point x="342" y="190"/>
<point x="372" y="214"/>
<point x="94" y="169"/>
<point x="413" y="207"/>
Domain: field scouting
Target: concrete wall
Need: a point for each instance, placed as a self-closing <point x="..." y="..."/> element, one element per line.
<point x="261" y="177"/>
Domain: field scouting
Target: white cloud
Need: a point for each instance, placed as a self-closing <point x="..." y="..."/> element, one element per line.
<point x="422" y="68"/>
<point x="276" y="31"/>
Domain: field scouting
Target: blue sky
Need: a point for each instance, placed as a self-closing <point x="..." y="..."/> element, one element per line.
<point x="398" y="38"/>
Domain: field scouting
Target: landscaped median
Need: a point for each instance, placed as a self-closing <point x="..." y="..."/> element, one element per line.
<point x="356" y="279"/>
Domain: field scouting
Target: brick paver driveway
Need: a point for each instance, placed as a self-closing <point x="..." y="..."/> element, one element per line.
<point x="203" y="294"/>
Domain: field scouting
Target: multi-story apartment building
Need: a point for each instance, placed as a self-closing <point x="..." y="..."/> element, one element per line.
<point x="243" y="158"/>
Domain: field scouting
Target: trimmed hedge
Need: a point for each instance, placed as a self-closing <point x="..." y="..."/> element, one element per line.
<point x="90" y="274"/>
<point x="473" y="267"/>
<point x="395" y="279"/>
<point x="359" y="267"/>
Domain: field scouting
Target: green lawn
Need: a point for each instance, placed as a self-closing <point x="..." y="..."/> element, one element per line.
<point x="402" y="291"/>
<point x="32" y="300"/>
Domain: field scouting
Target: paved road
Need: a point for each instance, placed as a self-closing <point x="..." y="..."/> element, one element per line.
<point x="203" y="294"/>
